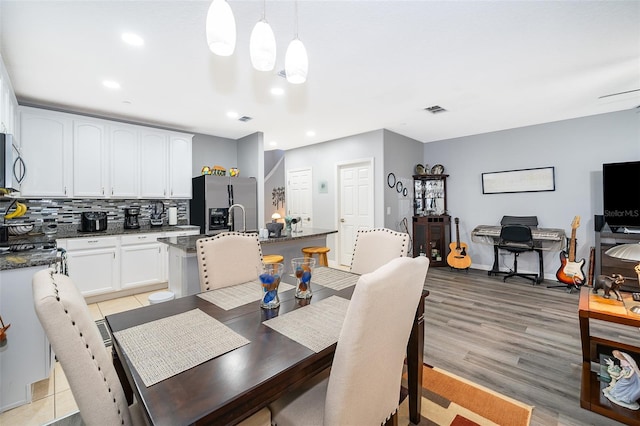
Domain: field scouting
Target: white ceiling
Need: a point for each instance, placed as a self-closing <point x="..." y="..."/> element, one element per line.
<point x="372" y="64"/>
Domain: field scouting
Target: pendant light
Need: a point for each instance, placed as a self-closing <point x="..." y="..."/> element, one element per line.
<point x="262" y="45"/>
<point x="296" y="62"/>
<point x="221" y="28"/>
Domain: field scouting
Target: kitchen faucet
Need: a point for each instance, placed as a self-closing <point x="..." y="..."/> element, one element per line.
<point x="244" y="217"/>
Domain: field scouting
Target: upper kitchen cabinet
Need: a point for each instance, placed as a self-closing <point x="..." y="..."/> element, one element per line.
<point x="8" y="103"/>
<point x="180" y="161"/>
<point x="46" y="138"/>
<point x="124" y="156"/>
<point x="154" y="163"/>
<point x="90" y="159"/>
<point x="69" y="155"/>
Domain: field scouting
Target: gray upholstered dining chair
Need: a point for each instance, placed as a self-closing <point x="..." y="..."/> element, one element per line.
<point x="375" y="247"/>
<point x="363" y="385"/>
<point x="78" y="345"/>
<point x="227" y="259"/>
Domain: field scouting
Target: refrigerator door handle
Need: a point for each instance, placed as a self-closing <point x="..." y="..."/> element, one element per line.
<point x="230" y="192"/>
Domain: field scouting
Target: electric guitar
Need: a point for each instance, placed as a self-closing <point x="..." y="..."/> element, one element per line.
<point x="570" y="271"/>
<point x="458" y="257"/>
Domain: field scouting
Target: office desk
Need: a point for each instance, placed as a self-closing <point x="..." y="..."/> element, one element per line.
<point x="231" y="387"/>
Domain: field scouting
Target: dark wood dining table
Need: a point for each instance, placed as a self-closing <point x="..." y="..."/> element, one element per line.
<point x="231" y="387"/>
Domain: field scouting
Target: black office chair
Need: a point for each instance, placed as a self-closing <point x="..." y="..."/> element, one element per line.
<point x="517" y="239"/>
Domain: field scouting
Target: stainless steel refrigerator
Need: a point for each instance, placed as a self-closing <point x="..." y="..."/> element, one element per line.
<point x="213" y="195"/>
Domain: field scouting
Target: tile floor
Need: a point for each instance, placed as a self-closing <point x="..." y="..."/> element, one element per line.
<point x="52" y="397"/>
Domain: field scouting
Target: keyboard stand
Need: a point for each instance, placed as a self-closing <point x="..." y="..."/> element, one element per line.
<point x="495" y="269"/>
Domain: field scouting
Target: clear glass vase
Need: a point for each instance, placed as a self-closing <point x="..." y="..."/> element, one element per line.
<point x="270" y="280"/>
<point x="303" y="270"/>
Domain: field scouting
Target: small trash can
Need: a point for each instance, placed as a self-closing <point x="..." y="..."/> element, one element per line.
<point x="161" y="296"/>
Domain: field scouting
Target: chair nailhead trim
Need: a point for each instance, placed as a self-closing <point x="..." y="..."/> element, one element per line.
<point x="73" y="322"/>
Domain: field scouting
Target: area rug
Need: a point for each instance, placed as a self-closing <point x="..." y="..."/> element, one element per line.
<point x="449" y="400"/>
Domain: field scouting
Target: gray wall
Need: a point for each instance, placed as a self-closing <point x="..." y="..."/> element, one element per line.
<point x="401" y="154"/>
<point x="576" y="148"/>
<point x="323" y="159"/>
<point x="209" y="150"/>
<point x="274" y="168"/>
<point x="251" y="164"/>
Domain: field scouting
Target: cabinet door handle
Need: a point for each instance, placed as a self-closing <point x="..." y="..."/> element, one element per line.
<point x="65" y="190"/>
<point x="111" y="191"/>
<point x="342" y="220"/>
<point x="103" y="190"/>
<point x="92" y="241"/>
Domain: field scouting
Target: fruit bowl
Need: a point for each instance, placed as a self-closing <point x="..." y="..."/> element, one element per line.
<point x="20" y="229"/>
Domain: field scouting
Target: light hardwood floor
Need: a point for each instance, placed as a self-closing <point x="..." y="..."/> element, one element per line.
<point x="517" y="339"/>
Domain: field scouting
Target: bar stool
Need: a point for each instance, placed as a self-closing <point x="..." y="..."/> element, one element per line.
<point x="320" y="251"/>
<point x="272" y="258"/>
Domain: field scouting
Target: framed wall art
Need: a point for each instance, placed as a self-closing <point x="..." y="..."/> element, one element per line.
<point x="524" y="180"/>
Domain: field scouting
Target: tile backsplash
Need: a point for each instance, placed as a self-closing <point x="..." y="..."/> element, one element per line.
<point x="66" y="212"/>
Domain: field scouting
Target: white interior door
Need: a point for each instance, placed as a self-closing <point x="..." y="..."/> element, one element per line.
<point x="355" y="204"/>
<point x="299" y="196"/>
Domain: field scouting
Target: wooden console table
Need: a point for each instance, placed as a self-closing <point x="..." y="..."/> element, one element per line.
<point x="597" y="307"/>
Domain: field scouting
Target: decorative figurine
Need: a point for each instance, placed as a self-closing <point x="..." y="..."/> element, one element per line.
<point x="624" y="388"/>
<point x="608" y="284"/>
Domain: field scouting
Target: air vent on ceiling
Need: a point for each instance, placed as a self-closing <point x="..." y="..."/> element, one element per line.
<point x="435" y="109"/>
<point x="245" y="118"/>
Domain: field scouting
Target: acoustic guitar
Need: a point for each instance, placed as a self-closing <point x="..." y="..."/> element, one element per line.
<point x="458" y="257"/>
<point x="570" y="271"/>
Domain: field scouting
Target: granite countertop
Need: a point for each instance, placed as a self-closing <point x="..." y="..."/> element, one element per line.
<point x="188" y="244"/>
<point x="45" y="252"/>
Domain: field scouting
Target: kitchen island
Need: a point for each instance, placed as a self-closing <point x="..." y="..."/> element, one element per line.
<point x="183" y="265"/>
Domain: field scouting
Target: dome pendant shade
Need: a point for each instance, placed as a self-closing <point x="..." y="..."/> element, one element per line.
<point x="221" y="28"/>
<point x="262" y="47"/>
<point x="296" y="62"/>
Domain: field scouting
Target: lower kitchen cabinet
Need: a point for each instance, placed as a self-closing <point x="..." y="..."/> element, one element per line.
<point x="142" y="260"/>
<point x="102" y="265"/>
<point x="25" y="357"/>
<point x="93" y="264"/>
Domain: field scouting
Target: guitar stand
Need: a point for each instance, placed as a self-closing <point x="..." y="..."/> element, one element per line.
<point x="569" y="288"/>
<point x="459" y="269"/>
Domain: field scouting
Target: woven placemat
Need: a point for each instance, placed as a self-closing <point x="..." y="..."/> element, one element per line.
<point x="238" y="295"/>
<point x="333" y="278"/>
<point x="166" y="347"/>
<point x="316" y="326"/>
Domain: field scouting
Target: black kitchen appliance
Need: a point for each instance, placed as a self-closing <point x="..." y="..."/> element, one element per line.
<point x="93" y="221"/>
<point x="212" y="197"/>
<point x="131" y="218"/>
<point x="157" y="209"/>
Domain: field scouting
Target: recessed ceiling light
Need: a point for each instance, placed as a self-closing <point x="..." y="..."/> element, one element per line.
<point x="273" y="143"/>
<point x="311" y="133"/>
<point x="111" y="84"/>
<point x="277" y="91"/>
<point x="232" y="114"/>
<point x="132" y="39"/>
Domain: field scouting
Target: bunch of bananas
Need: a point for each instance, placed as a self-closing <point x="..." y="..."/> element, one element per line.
<point x="20" y="210"/>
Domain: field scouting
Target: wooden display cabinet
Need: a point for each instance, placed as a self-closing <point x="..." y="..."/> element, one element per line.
<point x="431" y="224"/>
<point x="594" y="307"/>
<point x="431" y="236"/>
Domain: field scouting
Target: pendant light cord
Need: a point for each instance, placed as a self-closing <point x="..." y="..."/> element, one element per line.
<point x="295" y="26"/>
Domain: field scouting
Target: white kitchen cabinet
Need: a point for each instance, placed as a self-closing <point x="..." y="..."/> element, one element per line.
<point x="154" y="164"/>
<point x="26" y="356"/>
<point x="124" y="154"/>
<point x="8" y="103"/>
<point x="142" y="260"/>
<point x="90" y="158"/>
<point x="180" y="165"/>
<point x="46" y="140"/>
<point x="93" y="264"/>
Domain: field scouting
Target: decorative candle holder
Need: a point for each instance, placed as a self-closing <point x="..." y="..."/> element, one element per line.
<point x="303" y="270"/>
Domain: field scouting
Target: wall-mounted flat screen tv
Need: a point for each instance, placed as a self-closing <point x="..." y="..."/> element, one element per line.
<point x="621" y="190"/>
